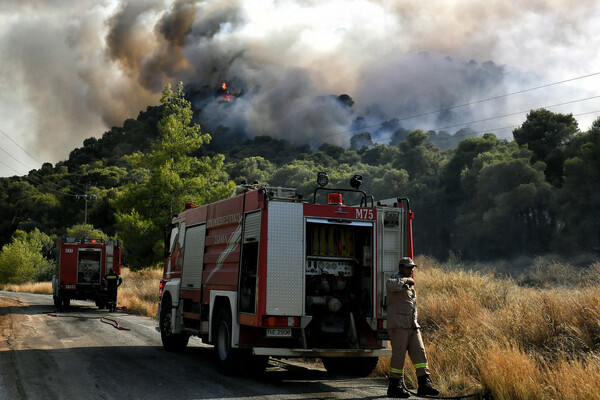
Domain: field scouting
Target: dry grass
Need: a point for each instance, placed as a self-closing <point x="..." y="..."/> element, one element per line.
<point x="139" y="292"/>
<point x="535" y="335"/>
<point x="513" y="341"/>
<point x="35" y="287"/>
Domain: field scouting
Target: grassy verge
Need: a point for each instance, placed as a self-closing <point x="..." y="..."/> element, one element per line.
<point x="531" y="335"/>
<point x="35" y="287"/>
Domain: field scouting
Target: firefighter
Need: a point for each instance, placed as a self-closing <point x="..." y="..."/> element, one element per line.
<point x="112" y="281"/>
<point x="405" y="334"/>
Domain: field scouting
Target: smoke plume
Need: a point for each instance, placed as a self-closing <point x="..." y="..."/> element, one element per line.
<point x="74" y="68"/>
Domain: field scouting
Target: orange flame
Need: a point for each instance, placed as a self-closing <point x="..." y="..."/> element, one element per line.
<point x="224" y="86"/>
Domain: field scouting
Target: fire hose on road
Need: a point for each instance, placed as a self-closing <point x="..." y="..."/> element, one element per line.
<point x="106" y="320"/>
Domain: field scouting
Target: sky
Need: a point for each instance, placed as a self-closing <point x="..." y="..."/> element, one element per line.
<point x="72" y="69"/>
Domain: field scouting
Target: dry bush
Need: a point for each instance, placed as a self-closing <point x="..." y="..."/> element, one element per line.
<point x="548" y="273"/>
<point x="32" y="287"/>
<point x="554" y="321"/>
<point x="482" y="331"/>
<point x="573" y="379"/>
<point x="592" y="276"/>
<point x="509" y="374"/>
<point x="444" y="280"/>
<point x="139" y="292"/>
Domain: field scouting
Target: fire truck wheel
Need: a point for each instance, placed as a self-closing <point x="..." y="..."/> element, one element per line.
<point x="227" y="357"/>
<point x="254" y="365"/>
<point x="175" y="342"/>
<point x="57" y="302"/>
<point x="352" y="366"/>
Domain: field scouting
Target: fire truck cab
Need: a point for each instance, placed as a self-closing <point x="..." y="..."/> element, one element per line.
<point x="268" y="273"/>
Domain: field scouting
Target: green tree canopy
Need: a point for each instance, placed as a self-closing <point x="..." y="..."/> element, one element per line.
<point x="546" y="134"/>
<point x="418" y="156"/>
<point x="81" y="231"/>
<point x="174" y="178"/>
<point x="579" y="197"/>
<point x="509" y="207"/>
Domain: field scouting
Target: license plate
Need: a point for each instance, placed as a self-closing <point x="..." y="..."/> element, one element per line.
<point x="382" y="335"/>
<point x="279" y="332"/>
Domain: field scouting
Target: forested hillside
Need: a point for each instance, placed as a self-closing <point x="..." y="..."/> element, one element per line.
<point x="484" y="198"/>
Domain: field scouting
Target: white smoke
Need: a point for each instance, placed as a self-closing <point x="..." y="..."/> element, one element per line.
<point x="72" y="69"/>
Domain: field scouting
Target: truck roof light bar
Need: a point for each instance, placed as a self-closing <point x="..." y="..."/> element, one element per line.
<point x="334" y="199"/>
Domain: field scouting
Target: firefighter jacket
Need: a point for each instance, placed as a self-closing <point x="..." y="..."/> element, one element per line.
<point x="401" y="303"/>
<point x="112" y="281"/>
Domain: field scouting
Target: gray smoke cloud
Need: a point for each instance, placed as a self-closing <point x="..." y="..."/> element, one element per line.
<point x="74" y="68"/>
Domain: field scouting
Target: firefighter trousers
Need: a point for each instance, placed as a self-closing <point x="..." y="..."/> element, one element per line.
<point x="410" y="340"/>
<point x="112" y="299"/>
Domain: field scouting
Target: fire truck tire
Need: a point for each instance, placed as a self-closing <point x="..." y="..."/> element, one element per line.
<point x="228" y="358"/>
<point x="254" y="365"/>
<point x="175" y="342"/>
<point x="57" y="302"/>
<point x="351" y="366"/>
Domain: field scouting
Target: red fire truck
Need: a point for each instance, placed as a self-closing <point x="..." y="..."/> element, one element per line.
<point x="267" y="273"/>
<point x="80" y="266"/>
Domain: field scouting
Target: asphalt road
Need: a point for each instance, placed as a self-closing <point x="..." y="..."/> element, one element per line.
<point x="74" y="354"/>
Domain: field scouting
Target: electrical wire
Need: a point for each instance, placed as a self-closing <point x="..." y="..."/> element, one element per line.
<point x="465" y="104"/>
<point x="35" y="159"/>
<point x="68" y="193"/>
<point x="476" y="133"/>
<point x="513" y="114"/>
<point x="35" y="173"/>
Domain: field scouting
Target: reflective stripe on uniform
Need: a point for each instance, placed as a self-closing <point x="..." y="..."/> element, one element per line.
<point x="111" y="277"/>
<point x="396" y="371"/>
<point x="422" y="365"/>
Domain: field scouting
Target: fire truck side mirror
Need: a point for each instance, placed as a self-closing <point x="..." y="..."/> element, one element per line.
<point x="167" y="235"/>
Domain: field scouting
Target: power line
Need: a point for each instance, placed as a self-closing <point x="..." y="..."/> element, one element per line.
<point x="516" y="113"/>
<point x="19" y="146"/>
<point x="70" y="193"/>
<point x="8" y="166"/>
<point x="32" y="157"/>
<point x="14" y="158"/>
<point x="465" y="104"/>
<point x="474" y="134"/>
<point x="50" y="189"/>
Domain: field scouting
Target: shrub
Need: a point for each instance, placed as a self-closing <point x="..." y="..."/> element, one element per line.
<point x="22" y="260"/>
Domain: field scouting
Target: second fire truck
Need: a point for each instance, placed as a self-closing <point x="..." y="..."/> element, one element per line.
<point x="80" y="266"/>
<point x="268" y="273"/>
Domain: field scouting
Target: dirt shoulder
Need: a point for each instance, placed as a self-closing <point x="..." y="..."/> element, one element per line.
<point x="8" y="328"/>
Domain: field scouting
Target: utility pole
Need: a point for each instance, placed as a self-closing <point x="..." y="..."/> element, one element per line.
<point x="86" y="196"/>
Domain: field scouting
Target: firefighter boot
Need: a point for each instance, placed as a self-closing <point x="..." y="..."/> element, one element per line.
<point x="397" y="391"/>
<point x="425" y="387"/>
